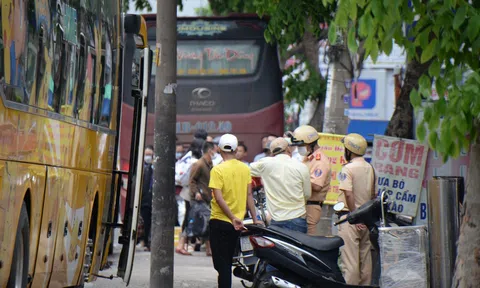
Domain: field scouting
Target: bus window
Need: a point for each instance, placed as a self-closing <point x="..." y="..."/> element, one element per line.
<point x="106" y="103"/>
<point x="58" y="69"/>
<point x="102" y="88"/>
<point x="65" y="79"/>
<point x="16" y="33"/>
<point x="32" y="52"/>
<point x="69" y="78"/>
<point x="1" y="47"/>
<point x="93" y="85"/>
<point x="82" y="69"/>
<point x="41" y="65"/>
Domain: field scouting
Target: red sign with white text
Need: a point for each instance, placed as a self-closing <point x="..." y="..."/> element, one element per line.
<point x="400" y="167"/>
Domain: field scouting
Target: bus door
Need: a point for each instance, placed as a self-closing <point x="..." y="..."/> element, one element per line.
<point x="137" y="67"/>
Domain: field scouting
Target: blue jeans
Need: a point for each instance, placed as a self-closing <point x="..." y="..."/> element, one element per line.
<point x="297" y="224"/>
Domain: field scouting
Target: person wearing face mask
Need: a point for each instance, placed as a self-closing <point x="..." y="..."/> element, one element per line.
<point x="305" y="138"/>
<point x="178" y="152"/>
<point x="287" y="186"/>
<point x="293" y="149"/>
<point x="199" y="179"/>
<point x="357" y="186"/>
<point x="217" y="159"/>
<point x="146" y="202"/>
<point x="182" y="178"/>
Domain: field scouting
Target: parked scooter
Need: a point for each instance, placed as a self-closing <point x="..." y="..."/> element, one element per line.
<point x="306" y="261"/>
<point x="244" y="261"/>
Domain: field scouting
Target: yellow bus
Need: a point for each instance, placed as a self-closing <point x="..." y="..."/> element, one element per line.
<point x="61" y="71"/>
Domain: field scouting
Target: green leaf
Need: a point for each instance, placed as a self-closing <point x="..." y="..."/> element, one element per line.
<point x="461" y="121"/>
<point x="332" y="33"/>
<point x="473" y="27"/>
<point x="377" y="9"/>
<point x="457" y="147"/>
<point x="441" y="105"/>
<point x="387" y="45"/>
<point x="364" y="25"/>
<point x="374" y="52"/>
<point x="268" y="35"/>
<point x="459" y="17"/>
<point x="421" y="131"/>
<point x="429" y="51"/>
<point x="425" y="86"/>
<point x="446" y="140"/>
<point x="353" y="10"/>
<point x="352" y="39"/>
<point x="432" y="139"/>
<point x="440" y="86"/>
<point x="427" y="113"/>
<point x="434" y="69"/>
<point x="415" y="98"/>
<point x="434" y="121"/>
<point x="445" y="158"/>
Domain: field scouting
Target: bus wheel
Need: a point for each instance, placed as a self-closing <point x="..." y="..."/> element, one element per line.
<point x="19" y="269"/>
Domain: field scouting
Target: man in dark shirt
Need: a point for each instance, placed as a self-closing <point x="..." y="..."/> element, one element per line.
<point x="199" y="179"/>
<point x="146" y="203"/>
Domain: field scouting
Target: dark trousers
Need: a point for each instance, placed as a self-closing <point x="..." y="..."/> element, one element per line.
<point x="185" y="219"/>
<point x="146" y="213"/>
<point x="223" y="241"/>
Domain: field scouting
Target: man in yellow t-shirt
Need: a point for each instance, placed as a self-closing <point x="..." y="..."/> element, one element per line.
<point x="232" y="193"/>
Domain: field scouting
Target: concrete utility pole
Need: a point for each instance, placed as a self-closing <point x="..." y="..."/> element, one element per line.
<point x="163" y="204"/>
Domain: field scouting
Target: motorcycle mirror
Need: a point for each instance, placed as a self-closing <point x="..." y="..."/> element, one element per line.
<point x="339" y="206"/>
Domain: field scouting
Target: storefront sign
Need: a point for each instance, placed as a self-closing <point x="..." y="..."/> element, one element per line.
<point x="369" y="98"/>
<point x="399" y="167"/>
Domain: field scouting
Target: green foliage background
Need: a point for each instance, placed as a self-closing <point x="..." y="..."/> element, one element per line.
<point x="446" y="35"/>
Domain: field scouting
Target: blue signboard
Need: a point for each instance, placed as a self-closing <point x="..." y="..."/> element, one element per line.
<point x="363" y="94"/>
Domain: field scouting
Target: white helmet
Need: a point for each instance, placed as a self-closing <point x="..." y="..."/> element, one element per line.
<point x="304" y="135"/>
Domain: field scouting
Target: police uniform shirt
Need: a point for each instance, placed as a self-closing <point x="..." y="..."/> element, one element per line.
<point x="357" y="176"/>
<point x="320" y="174"/>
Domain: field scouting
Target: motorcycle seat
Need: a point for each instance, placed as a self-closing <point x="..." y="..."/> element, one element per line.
<point x="319" y="243"/>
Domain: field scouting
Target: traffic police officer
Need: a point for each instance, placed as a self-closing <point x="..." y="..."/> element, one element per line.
<point x="357" y="186"/>
<point x="306" y="137"/>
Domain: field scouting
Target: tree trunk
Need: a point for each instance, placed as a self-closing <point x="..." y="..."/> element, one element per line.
<point x="467" y="267"/>
<point x="401" y="124"/>
<point x="311" y="51"/>
<point x="341" y="70"/>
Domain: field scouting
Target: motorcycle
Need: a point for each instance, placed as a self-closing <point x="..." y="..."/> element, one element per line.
<point x="290" y="259"/>
<point x="244" y="261"/>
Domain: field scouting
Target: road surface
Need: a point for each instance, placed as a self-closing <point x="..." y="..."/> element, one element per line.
<point x="190" y="271"/>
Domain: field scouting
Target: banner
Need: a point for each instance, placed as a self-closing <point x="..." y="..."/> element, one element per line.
<point x="332" y="147"/>
<point x="400" y="167"/>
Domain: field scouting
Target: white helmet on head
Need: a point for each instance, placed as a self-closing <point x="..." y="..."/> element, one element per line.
<point x="355" y="143"/>
<point x="304" y="135"/>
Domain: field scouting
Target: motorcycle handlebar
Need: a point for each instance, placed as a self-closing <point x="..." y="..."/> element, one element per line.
<point x="340" y="221"/>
